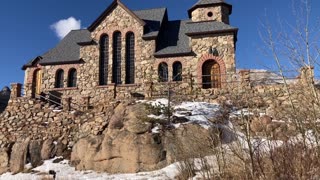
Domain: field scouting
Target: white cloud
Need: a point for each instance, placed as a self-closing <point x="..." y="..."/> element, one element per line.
<point x="64" y="26"/>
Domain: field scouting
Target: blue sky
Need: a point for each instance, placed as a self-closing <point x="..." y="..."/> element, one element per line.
<point x="26" y="26"/>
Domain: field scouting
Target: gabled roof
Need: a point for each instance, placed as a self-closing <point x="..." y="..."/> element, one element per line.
<point x="153" y="19"/>
<point x="108" y="10"/>
<point x="175" y="41"/>
<point x="209" y="3"/>
<point x="32" y="62"/>
<point x="67" y="51"/>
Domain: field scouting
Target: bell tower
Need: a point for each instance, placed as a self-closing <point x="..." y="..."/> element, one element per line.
<point x="210" y="10"/>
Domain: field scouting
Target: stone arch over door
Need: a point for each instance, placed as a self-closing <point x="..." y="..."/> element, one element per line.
<point x="215" y="65"/>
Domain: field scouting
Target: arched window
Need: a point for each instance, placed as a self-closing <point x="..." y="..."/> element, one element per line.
<point x="59" y="79"/>
<point x="104" y="60"/>
<point x="177" y="71"/>
<point x="211" y="76"/>
<point x="163" y="72"/>
<point x="130" y="58"/>
<point x="72" y="78"/>
<point x="116" y="74"/>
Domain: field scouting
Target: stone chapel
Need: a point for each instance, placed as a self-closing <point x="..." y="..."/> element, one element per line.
<point x="125" y="52"/>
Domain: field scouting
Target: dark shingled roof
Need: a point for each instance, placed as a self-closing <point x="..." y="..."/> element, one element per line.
<point x="206" y="2"/>
<point x="208" y="27"/>
<point x="175" y="40"/>
<point x="153" y="19"/>
<point x="67" y="51"/>
<point x="31" y="63"/>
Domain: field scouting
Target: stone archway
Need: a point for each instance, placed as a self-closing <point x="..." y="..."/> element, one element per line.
<point x="211" y="75"/>
<point x="211" y="72"/>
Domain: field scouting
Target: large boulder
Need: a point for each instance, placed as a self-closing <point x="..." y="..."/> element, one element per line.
<point x="18" y="156"/>
<point x="135" y="120"/>
<point x="35" y="153"/>
<point x="47" y="150"/>
<point x="118" y="151"/>
<point x="4" y="161"/>
<point x="127" y="145"/>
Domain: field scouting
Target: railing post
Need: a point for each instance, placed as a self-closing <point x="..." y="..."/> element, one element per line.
<point x="86" y="102"/>
<point x="307" y="75"/>
<point x="16" y="90"/>
<point x="245" y="77"/>
<point x="66" y="103"/>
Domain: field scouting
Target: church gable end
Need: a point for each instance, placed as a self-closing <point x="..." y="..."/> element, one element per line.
<point x="116" y="17"/>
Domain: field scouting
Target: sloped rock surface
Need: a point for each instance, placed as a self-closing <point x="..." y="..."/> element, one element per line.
<point x="19" y="156"/>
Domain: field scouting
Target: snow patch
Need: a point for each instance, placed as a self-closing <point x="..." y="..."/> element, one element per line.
<point x="64" y="171"/>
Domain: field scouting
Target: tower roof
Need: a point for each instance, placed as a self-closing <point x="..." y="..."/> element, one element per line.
<point x="208" y="3"/>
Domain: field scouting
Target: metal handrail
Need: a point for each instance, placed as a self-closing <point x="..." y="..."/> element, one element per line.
<point x="48" y="99"/>
<point x="52" y="95"/>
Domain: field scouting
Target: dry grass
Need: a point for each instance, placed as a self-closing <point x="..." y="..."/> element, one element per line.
<point x="296" y="158"/>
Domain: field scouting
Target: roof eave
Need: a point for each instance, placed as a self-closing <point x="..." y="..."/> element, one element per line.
<point x="87" y="43"/>
<point x="235" y="30"/>
<point x="62" y="62"/>
<point x="25" y="66"/>
<point x="149" y="37"/>
<point x="173" y="54"/>
<point x="108" y="10"/>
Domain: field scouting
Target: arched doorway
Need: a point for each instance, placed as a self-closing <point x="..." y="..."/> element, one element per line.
<point x="37" y="82"/>
<point x="211" y="75"/>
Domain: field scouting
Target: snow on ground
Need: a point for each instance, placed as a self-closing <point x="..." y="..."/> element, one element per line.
<point x="200" y="112"/>
<point x="66" y="172"/>
<point x="196" y="112"/>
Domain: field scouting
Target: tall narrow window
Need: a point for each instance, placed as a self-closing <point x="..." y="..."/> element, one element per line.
<point x="59" y="79"/>
<point x="104" y="60"/>
<point x="130" y="58"/>
<point x="163" y="72"/>
<point x="72" y="78"/>
<point x="177" y="71"/>
<point x="116" y="74"/>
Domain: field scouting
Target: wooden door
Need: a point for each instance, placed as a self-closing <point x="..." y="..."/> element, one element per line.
<point x="38" y="81"/>
<point x="211" y="77"/>
<point x="215" y="76"/>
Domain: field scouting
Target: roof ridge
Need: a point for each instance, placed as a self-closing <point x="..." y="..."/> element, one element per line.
<point x="149" y="9"/>
<point x="202" y="2"/>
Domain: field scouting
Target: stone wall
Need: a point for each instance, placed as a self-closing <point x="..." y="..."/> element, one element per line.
<point x="225" y="45"/>
<point x="217" y="13"/>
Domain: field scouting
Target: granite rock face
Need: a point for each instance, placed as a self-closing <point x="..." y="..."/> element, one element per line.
<point x="132" y="147"/>
<point x="18" y="156"/>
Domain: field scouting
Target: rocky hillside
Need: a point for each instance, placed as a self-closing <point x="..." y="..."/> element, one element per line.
<point x="119" y="137"/>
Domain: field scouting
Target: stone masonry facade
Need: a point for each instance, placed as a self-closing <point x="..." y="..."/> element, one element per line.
<point x="118" y="18"/>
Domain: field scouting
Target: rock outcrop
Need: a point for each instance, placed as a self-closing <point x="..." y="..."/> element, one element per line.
<point x="128" y="146"/>
<point x="18" y="156"/>
<point x="115" y="138"/>
<point x="4" y="161"/>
